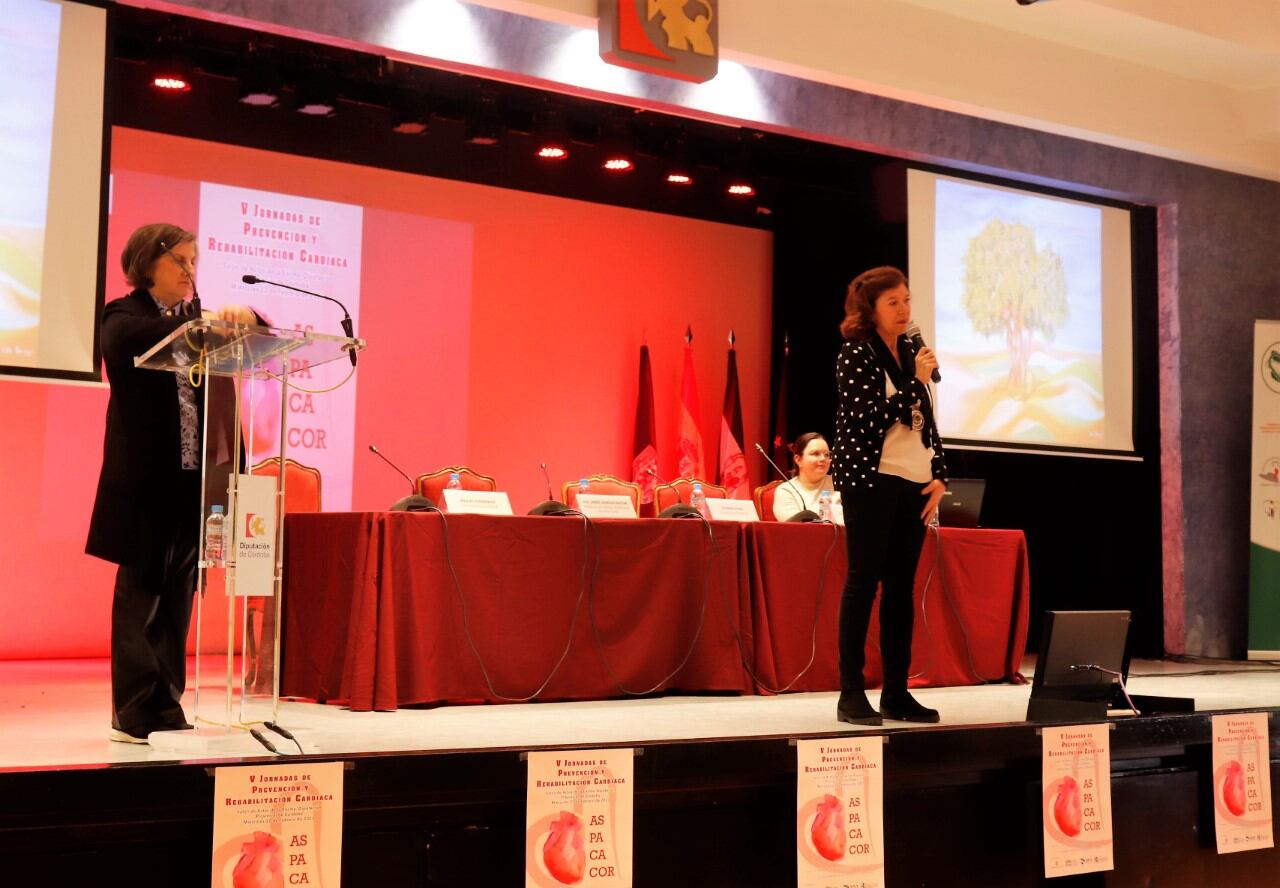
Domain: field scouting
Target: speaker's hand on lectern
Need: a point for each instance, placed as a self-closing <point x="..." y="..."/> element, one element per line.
<point x="232" y="314"/>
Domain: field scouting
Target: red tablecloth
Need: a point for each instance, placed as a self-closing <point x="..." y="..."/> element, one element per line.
<point x="373" y="619"/>
<point x="971" y="613"/>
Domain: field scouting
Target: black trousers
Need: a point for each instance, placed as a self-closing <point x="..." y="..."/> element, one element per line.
<point x="883" y="536"/>
<point x="150" y="615"/>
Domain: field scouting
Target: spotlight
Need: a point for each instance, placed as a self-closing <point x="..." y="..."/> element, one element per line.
<point x="317" y="94"/>
<point x="408" y="113"/>
<point x="617" y="151"/>
<point x="260" y="84"/>
<point x="740" y="187"/>
<point x="484" y="127"/>
<point x="553" y="137"/>
<point x="679" y="166"/>
<point x="171" y="72"/>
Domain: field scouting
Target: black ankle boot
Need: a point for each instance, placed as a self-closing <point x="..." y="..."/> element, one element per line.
<point x="901" y="706"/>
<point x="854" y="708"/>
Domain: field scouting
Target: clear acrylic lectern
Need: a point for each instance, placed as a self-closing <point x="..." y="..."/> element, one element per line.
<point x="238" y="600"/>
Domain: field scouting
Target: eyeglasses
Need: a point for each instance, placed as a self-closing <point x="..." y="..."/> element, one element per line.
<point x="820" y="454"/>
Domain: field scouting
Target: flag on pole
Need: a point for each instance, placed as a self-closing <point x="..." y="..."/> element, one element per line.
<point x="731" y="472"/>
<point x="644" y="460"/>
<point x="779" y="436"/>
<point x="691" y="464"/>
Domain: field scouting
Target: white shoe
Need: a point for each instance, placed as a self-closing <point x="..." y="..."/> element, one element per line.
<point x="120" y="736"/>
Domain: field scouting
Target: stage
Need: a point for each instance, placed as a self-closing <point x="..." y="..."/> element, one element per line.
<point x="428" y="791"/>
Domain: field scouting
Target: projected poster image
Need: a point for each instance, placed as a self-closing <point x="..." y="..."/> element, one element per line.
<point x="1018" y="316"/>
<point x="29" y="34"/>
<point x="312" y="245"/>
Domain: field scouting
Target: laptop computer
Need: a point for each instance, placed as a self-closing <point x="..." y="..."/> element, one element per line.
<point x="961" y="505"/>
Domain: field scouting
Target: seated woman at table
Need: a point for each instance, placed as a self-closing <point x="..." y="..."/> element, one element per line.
<point x="812" y="458"/>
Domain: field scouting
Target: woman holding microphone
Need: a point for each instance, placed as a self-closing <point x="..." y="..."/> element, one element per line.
<point x="890" y="472"/>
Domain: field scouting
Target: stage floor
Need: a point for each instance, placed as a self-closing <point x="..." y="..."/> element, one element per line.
<point x="55" y="714"/>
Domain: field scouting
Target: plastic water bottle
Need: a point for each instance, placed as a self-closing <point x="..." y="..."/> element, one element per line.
<point x="214" y="538"/>
<point x="698" y="500"/>
<point x="584" y="486"/>
<point x="455" y="482"/>
<point x="824" y="506"/>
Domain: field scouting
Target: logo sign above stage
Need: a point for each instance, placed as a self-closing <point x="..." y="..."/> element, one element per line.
<point x="579" y="818"/>
<point x="840" y="812"/>
<point x="672" y="38"/>
<point x="1242" y="782"/>
<point x="277" y="825"/>
<point x="1076" y="805"/>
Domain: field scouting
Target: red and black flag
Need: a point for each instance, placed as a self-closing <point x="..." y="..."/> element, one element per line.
<point x="732" y="469"/>
<point x="779" y="436"/>
<point x="644" y="460"/>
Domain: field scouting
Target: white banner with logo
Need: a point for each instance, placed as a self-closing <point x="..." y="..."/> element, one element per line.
<point x="1264" y="510"/>
<point x="253" y="536"/>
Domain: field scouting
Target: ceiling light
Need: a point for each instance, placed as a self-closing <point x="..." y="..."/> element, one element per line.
<point x="484" y="127"/>
<point x="553" y="137"/>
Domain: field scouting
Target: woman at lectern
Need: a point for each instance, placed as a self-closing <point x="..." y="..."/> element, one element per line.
<point x="146" y="515"/>
<point x="890" y="471"/>
<point x="812" y="459"/>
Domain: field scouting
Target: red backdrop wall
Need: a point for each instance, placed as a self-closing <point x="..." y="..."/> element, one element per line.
<point x="504" y="330"/>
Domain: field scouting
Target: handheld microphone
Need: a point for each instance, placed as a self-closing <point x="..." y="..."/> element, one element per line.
<point x="917" y="342"/>
<point x="414" y="502"/>
<point x="195" y="294"/>
<point x="347" y="327"/>
<point x="804" y="516"/>
<point x="550" y="505"/>
<point x="680" y="509"/>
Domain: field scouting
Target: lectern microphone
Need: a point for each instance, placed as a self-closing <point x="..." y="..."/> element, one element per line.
<point x="414" y="502"/>
<point x="804" y="516"/>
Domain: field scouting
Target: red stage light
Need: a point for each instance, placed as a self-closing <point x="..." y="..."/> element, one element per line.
<point x="741" y="189"/>
<point x="618" y="165"/>
<point x="171" y="83"/>
<point x="679" y="178"/>
<point x="553" y="152"/>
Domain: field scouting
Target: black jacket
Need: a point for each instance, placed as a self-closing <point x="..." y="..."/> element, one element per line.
<point x="865" y="414"/>
<point x="142" y="489"/>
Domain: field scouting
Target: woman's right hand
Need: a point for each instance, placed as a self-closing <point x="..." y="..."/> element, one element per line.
<point x="926" y="363"/>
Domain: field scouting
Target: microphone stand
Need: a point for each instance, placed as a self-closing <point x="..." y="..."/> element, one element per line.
<point x="680" y="509"/>
<point x="804" y="516"/>
<point x="550" y="505"/>
<point x="347" y="327"/>
<point x="414" y="502"/>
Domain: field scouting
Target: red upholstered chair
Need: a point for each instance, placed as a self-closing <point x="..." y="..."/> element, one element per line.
<point x="432" y="484"/>
<point x="301" y="483"/>
<point x="763" y="495"/>
<point x="682" y="488"/>
<point x="301" y="494"/>
<point x="602" y="484"/>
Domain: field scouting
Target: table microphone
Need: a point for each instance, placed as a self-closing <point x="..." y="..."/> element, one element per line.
<point x="414" y="502"/>
<point x="680" y="509"/>
<point x="804" y="516"/>
<point x="550" y="505"/>
<point x="346" y="315"/>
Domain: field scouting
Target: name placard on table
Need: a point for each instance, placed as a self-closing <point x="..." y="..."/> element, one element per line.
<point x="477" y="502"/>
<point x="731" y="509"/>
<point x="606" y="505"/>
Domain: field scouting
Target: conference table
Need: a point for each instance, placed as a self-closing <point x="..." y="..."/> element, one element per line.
<point x="390" y="609"/>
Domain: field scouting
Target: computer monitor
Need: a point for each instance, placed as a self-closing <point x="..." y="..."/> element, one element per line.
<point x="1081" y="663"/>
<point x="961" y="505"/>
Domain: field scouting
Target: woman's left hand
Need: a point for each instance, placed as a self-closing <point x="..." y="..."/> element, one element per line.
<point x="934" y="491"/>
<point x="237" y="314"/>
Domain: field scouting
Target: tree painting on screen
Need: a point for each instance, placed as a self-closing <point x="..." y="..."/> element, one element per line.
<point x="1018" y="316"/>
<point x="1010" y="287"/>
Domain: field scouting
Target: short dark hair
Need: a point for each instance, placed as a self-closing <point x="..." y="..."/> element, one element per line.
<point x="860" y="301"/>
<point x="145" y="247"/>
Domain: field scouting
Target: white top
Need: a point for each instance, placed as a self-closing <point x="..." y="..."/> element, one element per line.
<point x="904" y="453"/>
<point x="794" y="496"/>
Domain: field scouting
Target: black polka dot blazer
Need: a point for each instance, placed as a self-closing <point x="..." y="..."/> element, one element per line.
<point x="865" y="414"/>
